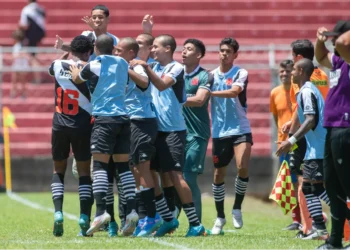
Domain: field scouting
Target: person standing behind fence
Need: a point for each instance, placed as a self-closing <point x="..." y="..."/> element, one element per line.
<point x="33" y="23"/>
<point x="281" y="109"/>
<point x="20" y="64"/>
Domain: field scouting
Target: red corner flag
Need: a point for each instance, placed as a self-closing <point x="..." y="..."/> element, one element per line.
<point x="283" y="190"/>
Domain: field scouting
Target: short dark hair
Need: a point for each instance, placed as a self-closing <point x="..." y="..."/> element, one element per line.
<point x="198" y="44"/>
<point x="131" y="43"/>
<point x="303" y="47"/>
<point x="286" y="63"/>
<point x="105" y="44"/>
<point x="149" y="38"/>
<point x="307" y="66"/>
<point x="81" y="44"/>
<point x="103" y="8"/>
<point x="230" y="41"/>
<point x="18" y="35"/>
<point x="168" y="40"/>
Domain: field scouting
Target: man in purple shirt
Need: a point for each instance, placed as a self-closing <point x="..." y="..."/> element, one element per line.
<point x="337" y="122"/>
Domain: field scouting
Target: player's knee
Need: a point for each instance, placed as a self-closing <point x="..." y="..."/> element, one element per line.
<point x="317" y="189"/>
<point x="307" y="188"/>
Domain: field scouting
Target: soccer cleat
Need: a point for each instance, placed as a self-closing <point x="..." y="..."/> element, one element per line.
<point x="293" y="226"/>
<point x="113" y="229"/>
<point x="194" y="231"/>
<point x="58" y="224"/>
<point x="150" y="226"/>
<point x="300" y="235"/>
<point x="139" y="226"/>
<point x="317" y="235"/>
<point x="237" y="218"/>
<point x="84" y="224"/>
<point x="218" y="226"/>
<point x="130" y="223"/>
<point x="167" y="227"/>
<point x="329" y="246"/>
<point x="98" y="221"/>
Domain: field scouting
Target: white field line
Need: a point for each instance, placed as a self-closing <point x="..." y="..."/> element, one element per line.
<point x="37" y="206"/>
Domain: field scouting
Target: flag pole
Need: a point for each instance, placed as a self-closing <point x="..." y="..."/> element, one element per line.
<point x="7" y="155"/>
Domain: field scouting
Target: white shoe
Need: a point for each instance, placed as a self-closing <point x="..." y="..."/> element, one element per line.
<point x="130" y="223"/>
<point x="218" y="226"/>
<point x="317" y="235"/>
<point x="237" y="218"/>
<point x="98" y="222"/>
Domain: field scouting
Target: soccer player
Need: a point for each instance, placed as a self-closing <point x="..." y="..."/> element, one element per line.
<point x="281" y="108"/>
<point x="98" y="22"/>
<point x="303" y="49"/>
<point x="168" y="92"/>
<point x="145" y="42"/>
<point x="310" y="113"/>
<point x="337" y="122"/>
<point x="230" y="131"/>
<point x="198" y="83"/>
<point x="108" y="77"/>
<point x="144" y="130"/>
<point x="71" y="127"/>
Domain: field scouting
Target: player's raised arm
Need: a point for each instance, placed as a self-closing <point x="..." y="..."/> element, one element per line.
<point x="147" y="24"/>
<point x="323" y="56"/>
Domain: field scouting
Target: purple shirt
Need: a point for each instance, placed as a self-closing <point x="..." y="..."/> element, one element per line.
<point x="337" y="106"/>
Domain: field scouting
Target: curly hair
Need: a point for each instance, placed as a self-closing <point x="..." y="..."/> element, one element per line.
<point x="81" y="44"/>
<point x="198" y="44"/>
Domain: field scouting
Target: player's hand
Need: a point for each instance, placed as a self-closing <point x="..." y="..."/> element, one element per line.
<point x="320" y="36"/>
<point x="286" y="127"/>
<point x="74" y="70"/>
<point x="285" y="147"/>
<point x="147" y="24"/>
<point x="89" y="22"/>
<point x="58" y="42"/>
<point x="135" y="62"/>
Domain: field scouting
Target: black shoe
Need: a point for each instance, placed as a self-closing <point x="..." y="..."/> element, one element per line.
<point x="293" y="226"/>
<point x="300" y="235"/>
<point x="328" y="246"/>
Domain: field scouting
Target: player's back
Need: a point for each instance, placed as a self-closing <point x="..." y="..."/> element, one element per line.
<point x="72" y="101"/>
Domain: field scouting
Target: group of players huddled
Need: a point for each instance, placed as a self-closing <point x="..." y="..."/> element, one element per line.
<point x="143" y="118"/>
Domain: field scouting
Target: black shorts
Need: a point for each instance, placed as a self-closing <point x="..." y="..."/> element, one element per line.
<point x="143" y="137"/>
<point x="297" y="157"/>
<point x="313" y="170"/>
<point x="170" y="151"/>
<point x="223" y="148"/>
<point x="110" y="138"/>
<point x="63" y="140"/>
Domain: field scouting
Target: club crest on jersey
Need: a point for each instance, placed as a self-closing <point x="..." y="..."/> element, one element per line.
<point x="194" y="81"/>
<point x="229" y="81"/>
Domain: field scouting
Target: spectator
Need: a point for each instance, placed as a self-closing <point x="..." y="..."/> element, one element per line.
<point x="32" y="22"/>
<point x="20" y="65"/>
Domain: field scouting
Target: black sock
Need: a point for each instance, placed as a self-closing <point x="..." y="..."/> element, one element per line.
<point x="320" y="191"/>
<point x="219" y="198"/>
<point x="140" y="205"/>
<point x="178" y="202"/>
<point x="191" y="214"/>
<point x="163" y="209"/>
<point x="100" y="186"/>
<point x="169" y="194"/>
<point x="241" y="188"/>
<point x="147" y="198"/>
<point x="57" y="188"/>
<point x="128" y="182"/>
<point x="85" y="195"/>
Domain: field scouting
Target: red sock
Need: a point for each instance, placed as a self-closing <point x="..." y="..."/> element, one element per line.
<point x="296" y="214"/>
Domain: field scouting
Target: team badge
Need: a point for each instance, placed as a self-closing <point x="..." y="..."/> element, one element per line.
<point x="229" y="81"/>
<point x="194" y="82"/>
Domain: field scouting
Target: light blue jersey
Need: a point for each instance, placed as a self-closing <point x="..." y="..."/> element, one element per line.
<point x="229" y="115"/>
<point x="310" y="102"/>
<point x="139" y="101"/>
<point x="168" y="103"/>
<point x="93" y="38"/>
<point x="108" y="77"/>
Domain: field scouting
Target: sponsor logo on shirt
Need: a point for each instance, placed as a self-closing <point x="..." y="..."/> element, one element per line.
<point x="194" y="81"/>
<point x="334" y="78"/>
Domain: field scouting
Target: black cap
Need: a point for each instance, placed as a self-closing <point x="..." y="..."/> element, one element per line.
<point x="341" y="27"/>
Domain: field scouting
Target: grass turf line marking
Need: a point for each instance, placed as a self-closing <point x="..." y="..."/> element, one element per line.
<point x="37" y="206"/>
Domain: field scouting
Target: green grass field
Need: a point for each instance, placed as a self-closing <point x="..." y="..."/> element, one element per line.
<point x="29" y="226"/>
